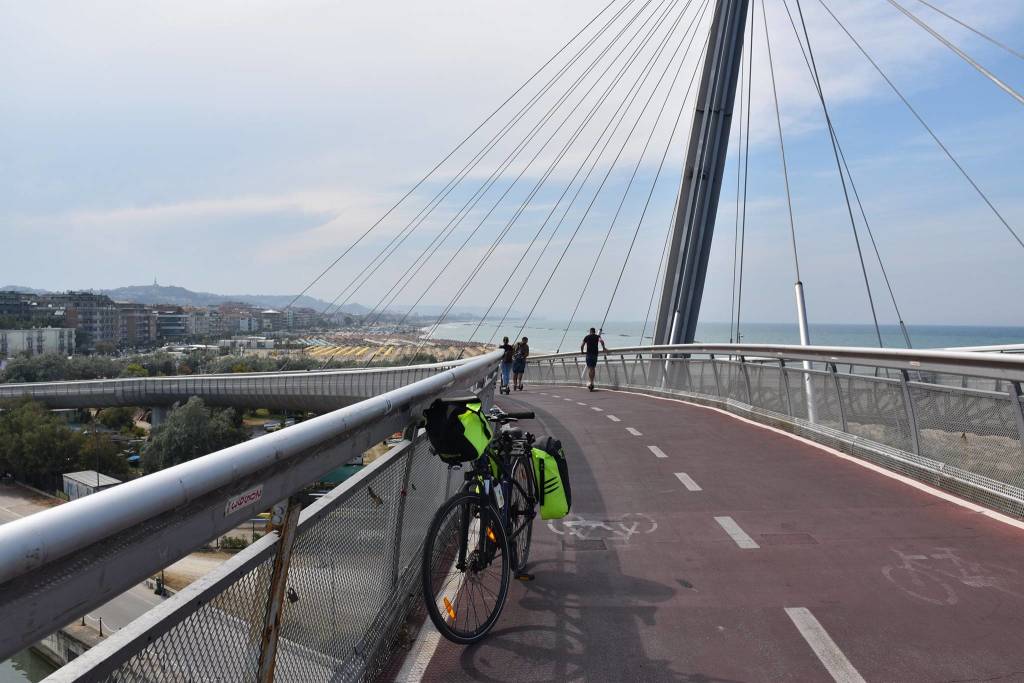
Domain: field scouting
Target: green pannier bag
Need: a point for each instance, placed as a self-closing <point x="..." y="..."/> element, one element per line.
<point x="457" y="432"/>
<point x="552" y="470"/>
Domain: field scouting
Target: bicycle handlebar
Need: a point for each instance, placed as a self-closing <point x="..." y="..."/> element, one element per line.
<point x="521" y="415"/>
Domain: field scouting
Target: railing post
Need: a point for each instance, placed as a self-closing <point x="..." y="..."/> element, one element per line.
<point x="908" y="402"/>
<point x="627" y="379"/>
<point x="1015" y="394"/>
<point x="785" y="387"/>
<point x="714" y="371"/>
<point x="278" y="584"/>
<point x="746" y="380"/>
<point x="411" y="435"/>
<point x="839" y="394"/>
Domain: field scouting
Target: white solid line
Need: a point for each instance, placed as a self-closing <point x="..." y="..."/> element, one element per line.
<point x="938" y="493"/>
<point x="658" y="453"/>
<point x="633" y="431"/>
<point x="828" y="652"/>
<point x="688" y="481"/>
<point x="736" y="533"/>
<point x="600" y="410"/>
<point x="418" y="659"/>
<point x="613" y="418"/>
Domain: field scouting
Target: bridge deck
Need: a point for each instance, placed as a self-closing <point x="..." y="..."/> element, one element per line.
<point x="643" y="583"/>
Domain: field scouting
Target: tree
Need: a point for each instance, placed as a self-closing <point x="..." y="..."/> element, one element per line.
<point x="191" y="430"/>
<point x="134" y="370"/>
<point x="116" y="418"/>
<point x="37" y="447"/>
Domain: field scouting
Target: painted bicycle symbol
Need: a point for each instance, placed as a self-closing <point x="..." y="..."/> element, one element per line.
<point x="932" y="577"/>
<point x="622" y="528"/>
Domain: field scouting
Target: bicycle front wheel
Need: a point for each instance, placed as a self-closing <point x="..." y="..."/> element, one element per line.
<point x="466" y="568"/>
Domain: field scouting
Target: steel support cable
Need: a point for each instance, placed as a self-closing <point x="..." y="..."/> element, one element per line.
<point x="536" y="236"/>
<point x="579" y="130"/>
<point x="925" y="125"/>
<point x="443" y="236"/>
<point x="835" y="151"/>
<point x="746" y="173"/>
<point x="960" y="53"/>
<point x="594" y="110"/>
<point x="636" y="169"/>
<point x="864" y="216"/>
<point x="460" y="215"/>
<point x="624" y="107"/>
<point x="782" y="143"/>
<point x="970" y="28"/>
<point x="657" y="174"/>
<point x="450" y="186"/>
<point x="448" y="156"/>
<point x="736" y="226"/>
<point x="575" y="232"/>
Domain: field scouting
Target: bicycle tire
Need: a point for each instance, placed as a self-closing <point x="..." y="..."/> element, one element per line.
<point x="521" y="514"/>
<point x="465" y="591"/>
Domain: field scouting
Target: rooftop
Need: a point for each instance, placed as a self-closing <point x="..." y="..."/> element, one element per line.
<point x="90" y="477"/>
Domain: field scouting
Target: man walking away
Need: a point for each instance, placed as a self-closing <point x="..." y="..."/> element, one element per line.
<point x="506" y="364"/>
<point x="522" y="352"/>
<point x="589" y="344"/>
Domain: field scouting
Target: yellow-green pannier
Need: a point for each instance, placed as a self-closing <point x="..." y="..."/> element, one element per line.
<point x="553" y="491"/>
<point x="459" y="432"/>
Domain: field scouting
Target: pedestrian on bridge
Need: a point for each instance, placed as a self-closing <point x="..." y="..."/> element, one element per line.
<point x="506" y="363"/>
<point x="519" y="356"/>
<point x="589" y="345"/>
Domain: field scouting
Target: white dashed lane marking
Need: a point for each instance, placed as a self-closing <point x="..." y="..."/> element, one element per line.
<point x="613" y="418"/>
<point x="832" y="658"/>
<point x="567" y="399"/>
<point x="658" y="453"/>
<point x="580" y="403"/>
<point x="633" y="431"/>
<point x="688" y="481"/>
<point x="736" y="533"/>
<point x="555" y="396"/>
<point x="600" y="410"/>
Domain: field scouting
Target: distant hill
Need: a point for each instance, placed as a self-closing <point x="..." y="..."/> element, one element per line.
<point x="180" y="296"/>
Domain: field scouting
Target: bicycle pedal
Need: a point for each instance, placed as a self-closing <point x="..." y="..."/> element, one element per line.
<point x="523" y="576"/>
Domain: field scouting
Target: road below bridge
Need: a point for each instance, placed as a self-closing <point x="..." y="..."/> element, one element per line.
<point x="705" y="548"/>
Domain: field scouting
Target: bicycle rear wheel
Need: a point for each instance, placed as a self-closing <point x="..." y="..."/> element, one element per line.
<point x="466" y="568"/>
<point x="521" y="513"/>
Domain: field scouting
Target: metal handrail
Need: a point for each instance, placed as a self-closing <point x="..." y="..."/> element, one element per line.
<point x="42" y="547"/>
<point x="979" y="364"/>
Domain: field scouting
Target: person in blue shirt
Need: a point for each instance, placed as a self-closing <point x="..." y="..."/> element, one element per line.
<point x="506" y="364"/>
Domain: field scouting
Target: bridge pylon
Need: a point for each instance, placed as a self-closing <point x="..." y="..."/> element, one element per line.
<point x="694" y="220"/>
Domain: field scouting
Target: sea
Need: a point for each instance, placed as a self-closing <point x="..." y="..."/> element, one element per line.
<point x="552" y="336"/>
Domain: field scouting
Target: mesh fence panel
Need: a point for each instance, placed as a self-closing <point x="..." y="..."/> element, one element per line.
<point x="875" y="410"/>
<point x="972" y="431"/>
<point x="351" y="579"/>
<point x="220" y="641"/>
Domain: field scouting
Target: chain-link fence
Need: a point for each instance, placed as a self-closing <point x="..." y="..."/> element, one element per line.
<point x="352" y="579"/>
<point x="961" y="431"/>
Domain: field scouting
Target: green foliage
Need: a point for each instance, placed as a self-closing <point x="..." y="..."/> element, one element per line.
<point x="134" y="370"/>
<point x="233" y="543"/>
<point x="37" y="447"/>
<point x="191" y="430"/>
<point x="118" y="419"/>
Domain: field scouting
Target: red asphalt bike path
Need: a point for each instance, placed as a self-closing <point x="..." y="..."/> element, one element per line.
<point x="641" y="582"/>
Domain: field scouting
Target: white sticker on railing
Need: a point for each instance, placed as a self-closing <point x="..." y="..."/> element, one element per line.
<point x="245" y="499"/>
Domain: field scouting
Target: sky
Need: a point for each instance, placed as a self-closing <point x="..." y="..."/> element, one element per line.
<point x="241" y="147"/>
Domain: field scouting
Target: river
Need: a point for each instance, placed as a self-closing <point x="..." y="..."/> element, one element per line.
<point x="25" y="666"/>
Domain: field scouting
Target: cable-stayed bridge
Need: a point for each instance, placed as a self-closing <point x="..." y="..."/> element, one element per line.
<point x="741" y="511"/>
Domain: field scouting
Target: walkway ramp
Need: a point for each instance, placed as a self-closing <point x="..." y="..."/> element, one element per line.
<point x="743" y="554"/>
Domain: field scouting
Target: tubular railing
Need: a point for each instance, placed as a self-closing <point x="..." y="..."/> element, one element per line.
<point x="60" y="563"/>
<point x="314" y="390"/>
<point x="951" y="419"/>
